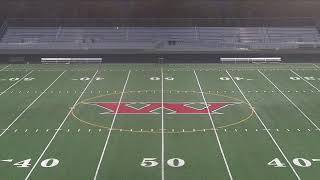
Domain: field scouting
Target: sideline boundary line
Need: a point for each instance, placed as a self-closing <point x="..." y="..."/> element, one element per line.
<point x="17" y="118"/>
<point x="57" y="131"/>
<point x="265" y="127"/>
<point x="290" y="100"/>
<point x="15" y="83"/>
<point x="214" y="127"/>
<point x="305" y="80"/>
<point x="110" y="130"/>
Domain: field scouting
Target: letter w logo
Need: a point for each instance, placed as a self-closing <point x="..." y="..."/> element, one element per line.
<point x="155" y="107"/>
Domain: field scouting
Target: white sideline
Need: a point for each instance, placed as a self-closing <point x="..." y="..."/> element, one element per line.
<point x="15" y="83"/>
<point x="4" y="68"/>
<point x="214" y="127"/>
<point x="55" y="134"/>
<point x="110" y="130"/>
<point x="290" y="101"/>
<point x="265" y="127"/>
<point x="305" y="80"/>
<point x="162" y="127"/>
<point x="16" y="119"/>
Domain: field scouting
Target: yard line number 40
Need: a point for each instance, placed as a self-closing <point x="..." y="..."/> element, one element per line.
<point x="300" y="162"/>
<point x="46" y="163"/>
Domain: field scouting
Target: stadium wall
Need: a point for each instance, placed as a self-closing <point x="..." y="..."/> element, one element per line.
<point x="287" y="57"/>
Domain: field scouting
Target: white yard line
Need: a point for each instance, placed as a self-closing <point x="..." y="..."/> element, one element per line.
<point x="17" y="118"/>
<point x="305" y="80"/>
<point x="15" y="83"/>
<point x="55" y="134"/>
<point x="4" y="68"/>
<point x="110" y="130"/>
<point x="316" y="66"/>
<point x="162" y="127"/>
<point x="265" y="127"/>
<point x="290" y="100"/>
<point x="214" y="127"/>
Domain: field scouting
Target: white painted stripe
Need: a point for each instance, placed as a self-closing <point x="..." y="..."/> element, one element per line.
<point x="162" y="127"/>
<point x="58" y="59"/>
<point x="265" y="127"/>
<point x="305" y="80"/>
<point x="214" y="127"/>
<point x="290" y="101"/>
<point x="110" y="130"/>
<point x="316" y="66"/>
<point x="15" y="83"/>
<point x="60" y="127"/>
<point x="4" y="68"/>
<point x="17" y="118"/>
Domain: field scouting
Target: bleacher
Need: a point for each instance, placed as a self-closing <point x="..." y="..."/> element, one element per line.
<point x="205" y="38"/>
<point x="212" y="34"/>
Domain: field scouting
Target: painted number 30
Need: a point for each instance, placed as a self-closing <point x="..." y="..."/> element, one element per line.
<point x="152" y="162"/>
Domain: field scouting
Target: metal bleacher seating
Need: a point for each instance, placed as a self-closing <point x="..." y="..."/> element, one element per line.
<point x="143" y="37"/>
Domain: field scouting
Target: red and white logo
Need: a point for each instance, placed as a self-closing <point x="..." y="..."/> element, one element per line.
<point x="155" y="107"/>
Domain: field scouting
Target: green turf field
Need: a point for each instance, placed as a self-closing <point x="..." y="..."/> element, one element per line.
<point x="160" y="122"/>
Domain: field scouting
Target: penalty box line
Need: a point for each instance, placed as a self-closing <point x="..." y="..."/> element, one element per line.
<point x="55" y="134"/>
<point x="214" y="127"/>
<point x="307" y="117"/>
<point x="265" y="127"/>
<point x="17" y="118"/>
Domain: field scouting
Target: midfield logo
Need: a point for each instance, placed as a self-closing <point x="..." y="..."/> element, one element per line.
<point x="155" y="107"/>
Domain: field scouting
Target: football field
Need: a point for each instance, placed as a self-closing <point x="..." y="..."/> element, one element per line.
<point x="160" y="122"/>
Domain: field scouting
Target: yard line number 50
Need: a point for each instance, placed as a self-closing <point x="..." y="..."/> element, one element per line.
<point x="152" y="162"/>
